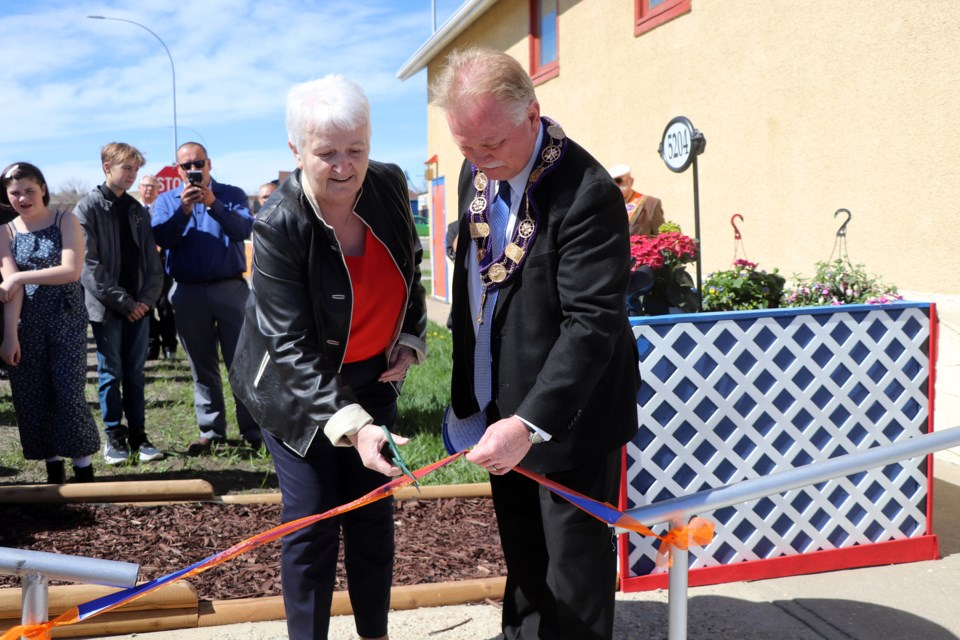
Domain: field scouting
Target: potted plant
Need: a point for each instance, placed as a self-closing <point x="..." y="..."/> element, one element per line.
<point x="660" y="283"/>
<point x="742" y="287"/>
<point x="839" y="282"/>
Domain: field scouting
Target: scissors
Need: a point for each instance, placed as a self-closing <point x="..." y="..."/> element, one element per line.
<point x="397" y="459"/>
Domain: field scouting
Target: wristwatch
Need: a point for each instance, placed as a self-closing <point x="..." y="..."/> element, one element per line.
<point x="535" y="438"/>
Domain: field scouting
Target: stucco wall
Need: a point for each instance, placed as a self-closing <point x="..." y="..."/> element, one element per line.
<point x="807" y="107"/>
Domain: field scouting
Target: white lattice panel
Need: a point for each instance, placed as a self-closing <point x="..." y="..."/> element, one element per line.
<point x="731" y="396"/>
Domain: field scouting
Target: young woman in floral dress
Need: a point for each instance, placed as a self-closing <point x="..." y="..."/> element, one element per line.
<point x="45" y="326"/>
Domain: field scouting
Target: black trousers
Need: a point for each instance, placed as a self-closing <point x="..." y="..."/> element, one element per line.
<point x="163" y="323"/>
<point x="328" y="477"/>
<point x="561" y="561"/>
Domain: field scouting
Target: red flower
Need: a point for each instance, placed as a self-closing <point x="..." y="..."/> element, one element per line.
<point x="665" y="250"/>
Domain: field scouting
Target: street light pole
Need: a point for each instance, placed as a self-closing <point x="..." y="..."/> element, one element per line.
<point x="173" y="72"/>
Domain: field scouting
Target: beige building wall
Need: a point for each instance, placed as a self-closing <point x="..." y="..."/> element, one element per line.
<point x="807" y="107"/>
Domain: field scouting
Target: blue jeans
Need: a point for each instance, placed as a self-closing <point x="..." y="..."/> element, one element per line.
<point x="121" y="357"/>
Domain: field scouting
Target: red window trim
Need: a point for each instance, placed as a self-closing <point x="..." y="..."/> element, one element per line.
<point x="541" y="73"/>
<point x="647" y="19"/>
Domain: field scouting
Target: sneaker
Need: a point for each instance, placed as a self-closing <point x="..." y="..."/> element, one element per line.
<point x="201" y="446"/>
<point x="116" y="451"/>
<point x="148" y="452"/>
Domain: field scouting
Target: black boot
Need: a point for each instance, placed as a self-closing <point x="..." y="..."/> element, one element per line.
<point x="56" y="474"/>
<point x="83" y="474"/>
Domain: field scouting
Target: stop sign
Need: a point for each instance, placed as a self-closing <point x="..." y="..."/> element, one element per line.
<point x="169" y="178"/>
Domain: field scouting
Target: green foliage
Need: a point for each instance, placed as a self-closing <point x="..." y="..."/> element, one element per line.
<point x="426" y="391"/>
<point x="426" y="394"/>
<point x="426" y="448"/>
<point x="840" y="282"/>
<point x="171" y="426"/>
<point x="742" y="287"/>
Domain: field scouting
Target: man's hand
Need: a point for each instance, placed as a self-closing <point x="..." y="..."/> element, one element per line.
<point x="193" y="194"/>
<point x="369" y="442"/>
<point x="502" y="446"/>
<point x="139" y="311"/>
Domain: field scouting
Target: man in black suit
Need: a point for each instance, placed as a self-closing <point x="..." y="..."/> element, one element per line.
<point x="543" y="264"/>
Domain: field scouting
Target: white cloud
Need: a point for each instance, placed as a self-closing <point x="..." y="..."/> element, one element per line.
<point x="72" y="84"/>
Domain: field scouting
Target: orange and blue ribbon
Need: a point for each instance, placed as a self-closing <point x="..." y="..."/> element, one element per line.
<point x="697" y="532"/>
<point x="105" y="603"/>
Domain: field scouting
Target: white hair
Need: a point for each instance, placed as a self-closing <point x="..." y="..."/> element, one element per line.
<point x="329" y="103"/>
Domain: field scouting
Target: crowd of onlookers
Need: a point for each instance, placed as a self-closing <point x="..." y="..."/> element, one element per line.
<point x="129" y="268"/>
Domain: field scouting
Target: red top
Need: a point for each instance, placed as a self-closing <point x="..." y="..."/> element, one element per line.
<point x="378" y="297"/>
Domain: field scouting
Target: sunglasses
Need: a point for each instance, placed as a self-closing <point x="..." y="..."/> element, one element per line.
<point x="618" y="181"/>
<point x="196" y="164"/>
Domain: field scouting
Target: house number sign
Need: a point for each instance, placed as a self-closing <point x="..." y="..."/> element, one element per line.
<point x="681" y="143"/>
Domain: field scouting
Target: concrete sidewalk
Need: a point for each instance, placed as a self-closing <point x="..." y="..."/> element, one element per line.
<point x="904" y="602"/>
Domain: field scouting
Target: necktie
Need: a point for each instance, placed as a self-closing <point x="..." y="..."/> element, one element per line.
<point x="499" y="216"/>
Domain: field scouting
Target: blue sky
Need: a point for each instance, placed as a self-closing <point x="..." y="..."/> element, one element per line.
<point x="71" y="84"/>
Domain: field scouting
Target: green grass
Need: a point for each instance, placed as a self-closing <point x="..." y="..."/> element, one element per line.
<point x="426" y="394"/>
<point x="232" y="468"/>
<point x="426" y="276"/>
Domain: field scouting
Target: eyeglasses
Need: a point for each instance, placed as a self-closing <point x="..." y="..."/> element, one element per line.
<point x="196" y="164"/>
<point x="620" y="180"/>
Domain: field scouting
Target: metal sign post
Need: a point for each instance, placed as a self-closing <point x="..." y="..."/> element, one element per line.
<point x="679" y="147"/>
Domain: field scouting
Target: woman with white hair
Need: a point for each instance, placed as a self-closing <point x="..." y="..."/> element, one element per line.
<point x="335" y="319"/>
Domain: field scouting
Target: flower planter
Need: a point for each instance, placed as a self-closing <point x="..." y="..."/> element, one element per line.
<point x="734" y="395"/>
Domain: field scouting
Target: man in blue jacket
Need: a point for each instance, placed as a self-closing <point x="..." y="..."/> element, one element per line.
<point x="202" y="224"/>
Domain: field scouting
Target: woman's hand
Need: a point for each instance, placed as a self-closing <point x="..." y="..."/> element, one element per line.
<point x="9" y="287"/>
<point x="369" y="442"/>
<point x="401" y="358"/>
<point x="10" y="350"/>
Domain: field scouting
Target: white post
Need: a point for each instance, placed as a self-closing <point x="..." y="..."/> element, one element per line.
<point x="34" y="601"/>
<point x="678" y="510"/>
<point x="677" y="593"/>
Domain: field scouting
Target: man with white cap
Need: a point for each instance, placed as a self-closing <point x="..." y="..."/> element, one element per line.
<point x="644" y="212"/>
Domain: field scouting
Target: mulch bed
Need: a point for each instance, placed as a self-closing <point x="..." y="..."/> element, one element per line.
<point x="436" y="541"/>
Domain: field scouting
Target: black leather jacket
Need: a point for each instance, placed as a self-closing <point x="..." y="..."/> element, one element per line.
<point x="297" y="323"/>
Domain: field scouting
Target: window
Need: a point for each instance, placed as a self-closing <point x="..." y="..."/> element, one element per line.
<point x="653" y="13"/>
<point x="544" y="58"/>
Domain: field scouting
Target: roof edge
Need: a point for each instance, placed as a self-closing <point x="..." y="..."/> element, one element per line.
<point x="456" y="24"/>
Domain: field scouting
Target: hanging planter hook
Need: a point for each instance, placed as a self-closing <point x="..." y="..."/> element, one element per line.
<point x="842" y="231"/>
<point x="733" y="223"/>
<point x="737" y="237"/>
